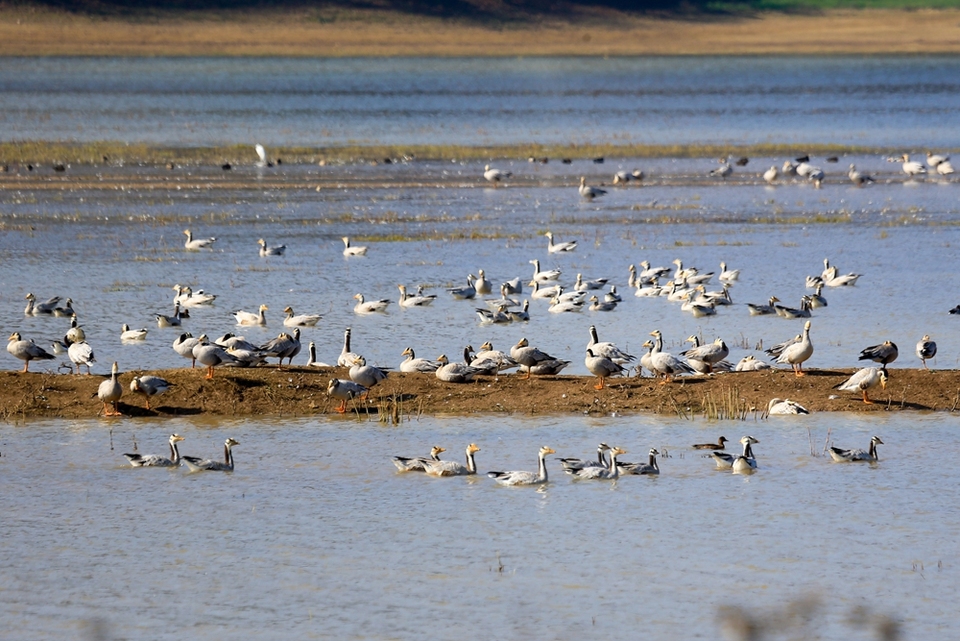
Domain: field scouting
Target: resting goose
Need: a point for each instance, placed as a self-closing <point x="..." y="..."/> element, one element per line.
<point x="750" y="363"/>
<point x="195" y="464"/>
<point x="559" y="248"/>
<point x="299" y="320"/>
<point x="863" y="380"/>
<point x="26" y="351"/>
<point x="370" y="307"/>
<point x="184" y="345"/>
<point x="197" y="244"/>
<point x="857" y="178"/>
<point x="494" y="175"/>
<point x="728" y="275"/>
<point x="345" y="391"/>
<point x="189" y="298"/>
<point x="596" y="305"/>
<point x="528" y="356"/>
<point x="366" y="375"/>
<point x="935" y="160"/>
<point x="770" y="175"/>
<point x="522" y="477"/>
<point x="415" y="464"/>
<point x="127" y="334"/>
<point x="488" y="355"/>
<point x="276" y="250"/>
<point x="155" y="460"/>
<point x="601" y="367"/>
<point x="945" y="168"/>
<point x="149" y="386"/>
<point x="723" y="170"/>
<point x="708" y="355"/>
<point x="650" y="468"/>
<point x="844" y="456"/>
<point x="350" y="250"/>
<point x="784" y="407"/>
<point x="884" y="353"/>
<point x="926" y="349"/>
<point x="795" y="355"/>
<point x="210" y="355"/>
<point x="415" y="300"/>
<point x="454" y="372"/>
<point x="452" y="468"/>
<point x="611" y="472"/>
<point x="910" y="167"/>
<point x="414" y="365"/>
<point x="251" y="319"/>
<point x="110" y="391"/>
<point x="312" y="357"/>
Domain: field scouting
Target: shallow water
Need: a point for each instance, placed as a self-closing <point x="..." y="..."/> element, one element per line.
<point x="315" y="535"/>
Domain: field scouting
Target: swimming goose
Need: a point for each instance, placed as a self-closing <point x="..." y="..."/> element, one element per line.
<point x="608" y="349"/>
<point x="540" y="276"/>
<point x="611" y="472"/>
<point x="559" y="306"/>
<point x="184" y="345"/>
<point x="149" y="386"/>
<point x="863" y="380"/>
<point x="601" y="367"/>
<point x="945" y="168"/>
<point x="926" y="348"/>
<point x="81" y="353"/>
<point x="910" y="167"/>
<point x="35" y="309"/>
<point x="415" y="464"/>
<point x="721" y="444"/>
<point x="514" y="286"/>
<point x="251" y="319"/>
<point x="884" y="353"/>
<point x="66" y="311"/>
<point x="262" y="156"/>
<point x="578" y="464"/>
<point x="370" y="307"/>
<point x="195" y="464"/>
<point x="650" y="468"/>
<point x="414" y="300"/>
<point x="725" y="461"/>
<point x="708" y="355"/>
<point x="723" y="170"/>
<point x="605" y="306"/>
<point x="189" y="298"/>
<point x="559" y="248"/>
<point x="155" y="460"/>
<point x="199" y="243"/>
<point x="170" y="321"/>
<point x="525" y="478"/>
<point x="544" y="292"/>
<point x="345" y="391"/>
<point x="110" y="391"/>
<point x="750" y="363"/>
<point x="584" y="285"/>
<point x="276" y="250"/>
<point x="770" y="175"/>
<point x="612" y="296"/>
<point x="857" y="178"/>
<point x="651" y="274"/>
<point x="210" y="355"/>
<point x="283" y="346"/>
<point x="414" y="365"/>
<point x="789" y="168"/>
<point x="588" y="192"/>
<point x="346" y="357"/>
<point x="75" y="334"/>
<point x="366" y="375"/>
<point x="464" y="293"/>
<point x="691" y="276"/>
<point x="784" y="406"/>
<point x="795" y="355"/>
<point x="792" y="312"/>
<point x="127" y="334"/>
<point x="745" y="463"/>
<point x="844" y="456"/>
<point x="350" y="250"/>
<point x="728" y="275"/>
<point x="481" y="284"/>
<point x="528" y="356"/>
<point x="648" y="290"/>
<point x="664" y="364"/>
<point x="301" y="320"/>
<point x="817" y="299"/>
<point x="935" y="160"/>
<point x="312" y="357"/>
<point x="454" y="372"/>
<point x="452" y="468"/>
<point x="837" y="280"/>
<point x="495" y="175"/>
<point x="522" y="315"/>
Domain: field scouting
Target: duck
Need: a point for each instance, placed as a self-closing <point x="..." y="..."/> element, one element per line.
<point x="588" y="192"/>
<point x="149" y="386"/>
<point x="762" y="310"/>
<point x="728" y="275"/>
<point x="863" y="380"/>
<point x="884" y="353"/>
<point x="601" y="367"/>
<point x="452" y="468"/>
<point x="164" y="321"/>
<point x="370" y="307"/>
<point x="926" y="349"/>
<point x="454" y="372"/>
<point x="528" y="356"/>
<point x="526" y="478"/>
<point x="196" y="244"/>
<point x="798" y="353"/>
<point x="559" y="248"/>
<point x="750" y="363"/>
<point x="725" y="460"/>
<point x="845" y="456"/>
<point x="709" y="355"/>
<point x="155" y="460"/>
<point x="414" y="300"/>
<point x="302" y="320"/>
<point x="415" y="464"/>
<point x="251" y="319"/>
<point x="784" y="406"/>
<point x="346" y="357"/>
<point x="577" y="464"/>
<point x="195" y="464"/>
<point x="414" y="365"/>
<point x="911" y="167"/>
<point x="350" y="250"/>
<point x="127" y="334"/>
<point x="540" y="276"/>
<point x="467" y="292"/>
<point x="211" y="355"/>
<point x="608" y="349"/>
<point x="611" y="472"/>
<point x="585" y="285"/>
<point x="770" y="175"/>
<point x="650" y="468"/>
<point x="109" y="393"/>
<point x="366" y="375"/>
<point x="723" y="170"/>
<point x="721" y="444"/>
<point x="81" y="353"/>
<point x="283" y="346"/>
<point x="276" y="250"/>
<point x="345" y="391"/>
<point x="494" y="175"/>
<point x="184" y="345"/>
<point x="312" y="358"/>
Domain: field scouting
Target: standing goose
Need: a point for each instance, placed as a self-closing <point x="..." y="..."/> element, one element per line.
<point x="155" y="460"/>
<point x="525" y="478"/>
<point x="559" y="248"/>
<point x="110" y="391"/>
<point x="528" y="356"/>
<point x="346" y="357"/>
<point x="414" y="365"/>
<point x="127" y="334"/>
<point x="452" y="468"/>
<point x="795" y="355"/>
<point x="911" y="167"/>
<point x="81" y="353"/>
<point x="345" y="391"/>
<point x="276" y="250"/>
<point x="863" y="380"/>
<point x="926" y="349"/>
<point x="784" y="406"/>
<point x="366" y="375"/>
<point x="251" y="319"/>
<point x="703" y="358"/>
<point x="601" y="367"/>
<point x="588" y="192"/>
<point x="149" y="386"/>
<point x="775" y="351"/>
<point x="884" y="353"/>
<point x="723" y="170"/>
<point x="770" y="175"/>
<point x="650" y="468"/>
<point x="725" y="460"/>
<point x="719" y="445"/>
<point x="195" y="464"/>
<point x="612" y="472"/>
<point x="857" y="178"/>
<point x="184" y="345"/>
<point x="844" y="456"/>
<point x="26" y="351"/>
<point x="350" y="250"/>
<point x="415" y="464"/>
<point x="299" y="320"/>
<point x="210" y="355"/>
<point x="283" y="346"/>
<point x="198" y="243"/>
<point x="494" y="175"/>
<point x="663" y="363"/>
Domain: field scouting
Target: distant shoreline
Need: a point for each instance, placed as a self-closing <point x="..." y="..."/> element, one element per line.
<point x="331" y="33"/>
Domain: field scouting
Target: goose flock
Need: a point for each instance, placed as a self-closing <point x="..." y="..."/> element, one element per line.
<point x="192" y="463"/>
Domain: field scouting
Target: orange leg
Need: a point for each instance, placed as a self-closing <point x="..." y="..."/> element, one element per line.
<point x="343" y="406"/>
<point x="26" y="364"/>
<point x="148" y="402"/>
<point x="866" y="399"/>
<point x="116" y="409"/>
<point x="525" y="377"/>
<point x="798" y="369"/>
<point x="209" y="372"/>
<point x="600" y="384"/>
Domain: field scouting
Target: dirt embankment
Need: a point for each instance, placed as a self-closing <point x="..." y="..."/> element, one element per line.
<point x="302" y="392"/>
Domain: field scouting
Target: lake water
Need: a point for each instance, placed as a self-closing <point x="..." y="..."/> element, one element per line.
<point x="314" y="535"/>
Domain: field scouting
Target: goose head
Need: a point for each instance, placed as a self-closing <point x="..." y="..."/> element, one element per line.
<point x="472" y="448"/>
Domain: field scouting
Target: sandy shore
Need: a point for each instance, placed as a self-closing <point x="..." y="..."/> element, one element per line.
<point x="301" y="391"/>
<point x="332" y="32"/>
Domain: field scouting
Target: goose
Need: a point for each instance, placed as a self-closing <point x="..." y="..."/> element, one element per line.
<point x="464" y="293"/>
<point x="588" y="192"/>
<point x="721" y="444"/>
<point x="195" y="464"/>
<point x="698" y="307"/>
<point x="415" y="464"/>
<point x="935" y="160"/>
<point x="945" y="168"/>
<point x="691" y="275"/>
<point x="210" y="355"/>
<point x="283" y="346"/>
<point x="414" y="365"/>
<point x="487" y="354"/>
<point x="884" y="353"/>
<point x="708" y="355"/>
<point x="127" y="334"/>
<point x="559" y="248"/>
<point x="558" y="295"/>
<point x="350" y="250"/>
<point x="301" y="320"/>
<point x="370" y="307"/>
<point x="312" y="360"/>
<point x="155" y="460"/>
<point x="75" y="333"/>
<point x="775" y="351"/>
<point x="522" y="315"/>
<point x="109" y="392"/>
<point x="276" y="250"/>
<point x="750" y="363"/>
<point x="611" y="472"/>
<point x="863" y="380"/>
<point x="525" y="478"/>
<point x="784" y="406"/>
<point x="184" y="345"/>
<point x="540" y="276"/>
<point x="650" y="468"/>
<point x="926" y="349"/>
<point x="761" y="310"/>
<point x="528" y="356"/>
<point x="481" y="284"/>
<point x="170" y="321"/>
<point x="494" y="175"/>
<point x="648" y="290"/>
<point x="149" y="386"/>
<point x="558" y="306"/>
<point x="452" y="468"/>
<point x="585" y="285"/>
<point x="723" y="170"/>
<point x="725" y="461"/>
<point x="66" y="311"/>
<point x="346" y="357"/>
<point x="577" y="464"/>
<point x="812" y="282"/>
<point x="189" y="298"/>
<point x="651" y="274"/>
<point x="745" y="463"/>
<point x="845" y="456"/>
<point x="795" y="355"/>
<point x="81" y="353"/>
<point x="504" y="300"/>
<point x="816" y="176"/>
<point x="770" y="175"/>
<point x="663" y="363"/>
<point x="251" y="319"/>
<point x="857" y="178"/>
<point x="789" y="168"/>
<point x="550" y="367"/>
<point x="366" y="375"/>
<point x="247" y="357"/>
<point x="792" y="312"/>
<point x="454" y="372"/>
<point x="608" y="349"/>
<point x="910" y="167"/>
<point x="596" y="305"/>
<point x="198" y="243"/>
<point x="817" y="299"/>
<point x="345" y="391"/>
<point x="41" y="309"/>
<point x="728" y="275"/>
<point x="59" y="348"/>
<point x="622" y="177"/>
<point x="804" y="169"/>
<point x="514" y="286"/>
<point x="601" y="367"/>
<point x="262" y="156"/>
<point x="544" y="292"/>
<point x="612" y="296"/>
<point x="414" y="300"/>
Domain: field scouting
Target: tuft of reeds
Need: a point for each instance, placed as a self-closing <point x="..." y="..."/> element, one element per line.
<point x="730" y="406"/>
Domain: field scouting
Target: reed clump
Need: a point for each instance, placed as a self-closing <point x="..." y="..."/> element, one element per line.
<point x="726" y="405"/>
